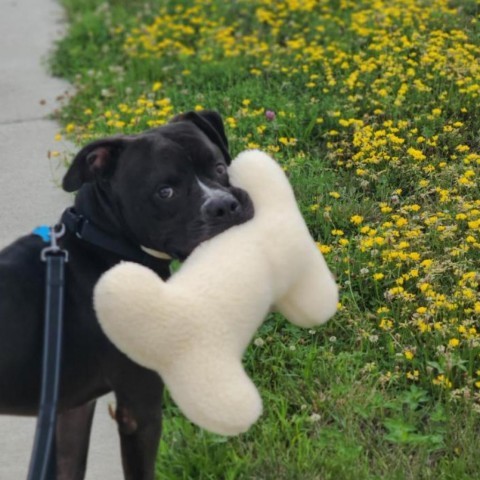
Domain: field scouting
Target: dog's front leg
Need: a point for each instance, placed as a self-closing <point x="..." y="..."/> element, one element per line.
<point x="72" y="439"/>
<point x="139" y="417"/>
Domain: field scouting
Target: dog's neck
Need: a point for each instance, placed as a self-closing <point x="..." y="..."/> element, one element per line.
<point x="94" y="204"/>
<point x="96" y="221"/>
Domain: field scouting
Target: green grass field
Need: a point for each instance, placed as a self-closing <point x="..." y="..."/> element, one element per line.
<point x="372" y="107"/>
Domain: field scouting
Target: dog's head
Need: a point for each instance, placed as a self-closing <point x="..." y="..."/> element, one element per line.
<point x="167" y="189"/>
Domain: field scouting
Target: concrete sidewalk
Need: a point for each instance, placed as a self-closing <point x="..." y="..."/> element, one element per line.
<point x="30" y="196"/>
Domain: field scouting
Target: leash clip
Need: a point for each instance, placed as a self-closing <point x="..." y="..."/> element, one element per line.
<point x="54" y="249"/>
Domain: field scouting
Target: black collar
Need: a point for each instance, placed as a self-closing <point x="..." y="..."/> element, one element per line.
<point x="85" y="230"/>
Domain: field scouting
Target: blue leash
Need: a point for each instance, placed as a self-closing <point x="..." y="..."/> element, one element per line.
<point x="43" y="459"/>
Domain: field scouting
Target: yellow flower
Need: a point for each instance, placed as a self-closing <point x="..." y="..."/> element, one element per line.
<point x="231" y="122"/>
<point x="454" y="342"/>
<point x="356" y="219"/>
<point x="408" y="354"/>
<point x="287" y="141"/>
<point x="324" y="248"/>
<point x="442" y="381"/>
<point x="427" y="263"/>
<point x="413" y="375"/>
<point x="423" y="327"/>
<point x="386" y="324"/>
<point x="385" y="209"/>
<point x="416" y="154"/>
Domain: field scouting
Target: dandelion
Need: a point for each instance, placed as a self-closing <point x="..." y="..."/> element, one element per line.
<point x="413" y="375"/>
<point x="231" y="122"/>
<point x="442" y="381"/>
<point x="408" y="354"/>
<point x="287" y="141"/>
<point x="386" y="324"/>
<point x="356" y="219"/>
<point x="324" y="249"/>
<point x="416" y="154"/>
<point x="454" y="342"/>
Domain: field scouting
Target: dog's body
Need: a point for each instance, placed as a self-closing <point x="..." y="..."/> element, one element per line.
<point x="166" y="190"/>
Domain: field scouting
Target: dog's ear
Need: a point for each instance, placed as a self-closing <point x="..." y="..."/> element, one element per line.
<point x="211" y="124"/>
<point x="95" y="160"/>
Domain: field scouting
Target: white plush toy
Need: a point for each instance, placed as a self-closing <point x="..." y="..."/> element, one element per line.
<point x="194" y="328"/>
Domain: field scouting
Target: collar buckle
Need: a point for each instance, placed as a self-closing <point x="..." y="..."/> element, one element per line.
<point x="53" y="248"/>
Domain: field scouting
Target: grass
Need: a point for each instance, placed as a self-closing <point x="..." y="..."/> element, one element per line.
<point x="376" y="120"/>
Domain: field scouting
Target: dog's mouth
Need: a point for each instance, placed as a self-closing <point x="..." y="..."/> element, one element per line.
<point x="204" y="228"/>
<point x="242" y="212"/>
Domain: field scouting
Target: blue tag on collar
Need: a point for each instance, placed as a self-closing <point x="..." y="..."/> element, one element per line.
<point x="43" y="232"/>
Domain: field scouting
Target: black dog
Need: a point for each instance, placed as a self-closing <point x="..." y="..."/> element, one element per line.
<point x="146" y="198"/>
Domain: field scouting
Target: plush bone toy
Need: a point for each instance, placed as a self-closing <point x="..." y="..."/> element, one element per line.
<point x="194" y="329"/>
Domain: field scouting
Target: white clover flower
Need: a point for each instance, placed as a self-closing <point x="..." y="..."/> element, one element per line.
<point x="314" y="417"/>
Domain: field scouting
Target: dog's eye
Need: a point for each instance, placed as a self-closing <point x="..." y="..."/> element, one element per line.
<point x="220" y="168"/>
<point x="165" y="192"/>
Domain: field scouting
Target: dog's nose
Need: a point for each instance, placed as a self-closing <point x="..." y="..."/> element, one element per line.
<point x="222" y="208"/>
